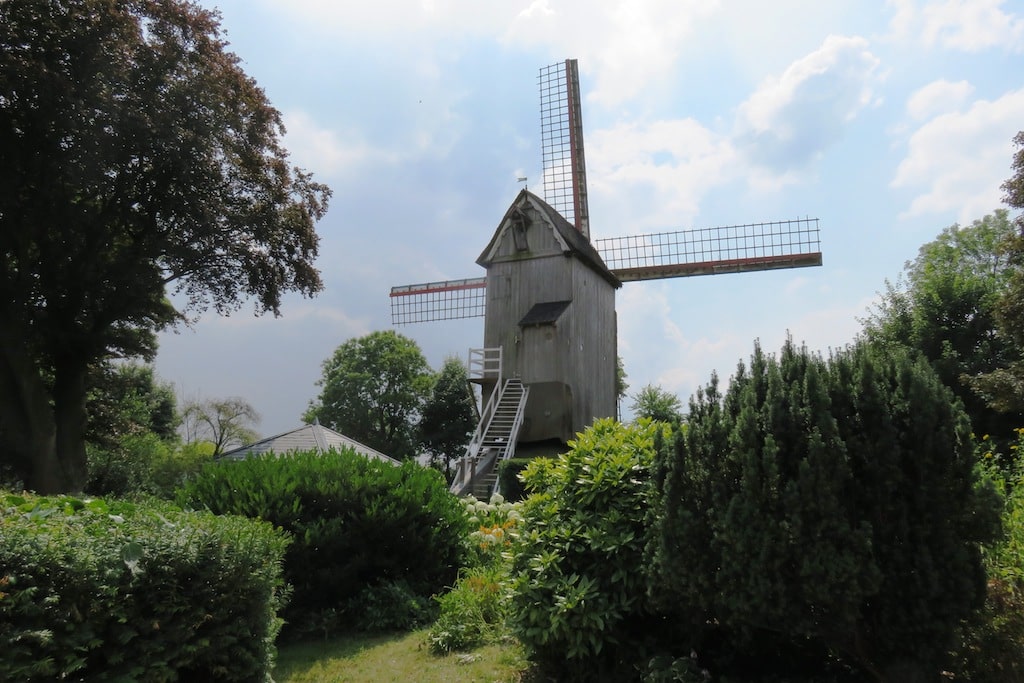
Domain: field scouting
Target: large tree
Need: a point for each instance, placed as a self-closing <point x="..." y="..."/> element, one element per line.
<point x="372" y="390"/>
<point x="135" y="157"/>
<point x="449" y="416"/>
<point x="128" y="397"/>
<point x="1003" y="387"/>
<point x="945" y="307"/>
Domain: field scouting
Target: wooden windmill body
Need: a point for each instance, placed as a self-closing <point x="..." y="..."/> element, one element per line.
<point x="548" y="366"/>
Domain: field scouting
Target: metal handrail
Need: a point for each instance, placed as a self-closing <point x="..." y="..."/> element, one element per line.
<point x="509" y="450"/>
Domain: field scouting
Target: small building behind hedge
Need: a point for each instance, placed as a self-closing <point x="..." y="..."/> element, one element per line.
<point x="310" y="437"/>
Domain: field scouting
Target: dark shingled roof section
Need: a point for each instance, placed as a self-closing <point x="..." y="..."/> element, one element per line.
<point x="578" y="244"/>
<point x="545" y="313"/>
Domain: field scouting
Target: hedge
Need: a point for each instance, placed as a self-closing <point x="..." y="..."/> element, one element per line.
<point x="105" y="590"/>
<point x="365" y="532"/>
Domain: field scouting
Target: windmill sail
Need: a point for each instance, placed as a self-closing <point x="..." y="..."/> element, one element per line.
<point x="430" y="301"/>
<point x="710" y="251"/>
<point x="561" y="142"/>
<point x="684" y="253"/>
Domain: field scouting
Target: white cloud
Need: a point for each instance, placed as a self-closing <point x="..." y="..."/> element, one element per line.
<point x="331" y="152"/>
<point x="628" y="44"/>
<point x="967" y="25"/>
<point x="957" y="161"/>
<point x="791" y="119"/>
<point x="408" y="19"/>
<point x="938" y="97"/>
<point x="323" y="150"/>
<point x="654" y="175"/>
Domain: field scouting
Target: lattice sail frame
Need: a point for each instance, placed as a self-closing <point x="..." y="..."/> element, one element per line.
<point x="684" y="253"/>
<point x="561" y="143"/>
<point x="709" y="251"/>
<point x="430" y="301"/>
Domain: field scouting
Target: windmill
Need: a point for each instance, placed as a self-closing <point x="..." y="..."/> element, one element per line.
<point x="548" y="364"/>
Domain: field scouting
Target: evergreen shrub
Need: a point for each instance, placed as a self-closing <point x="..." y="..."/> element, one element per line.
<point x="831" y="502"/>
<point x="358" y="524"/>
<point x="113" y="591"/>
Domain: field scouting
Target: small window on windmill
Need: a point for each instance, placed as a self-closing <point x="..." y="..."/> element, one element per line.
<point x="519" y="225"/>
<point x="546" y="313"/>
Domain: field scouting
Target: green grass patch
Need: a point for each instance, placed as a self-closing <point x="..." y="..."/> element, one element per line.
<point x="401" y="658"/>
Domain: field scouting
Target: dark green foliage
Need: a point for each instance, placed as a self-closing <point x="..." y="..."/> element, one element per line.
<point x="1003" y="387"/>
<point x="124" y="468"/>
<point x="372" y="389"/>
<point x="946" y="309"/>
<point x="143" y="464"/>
<point x="578" y="601"/>
<point x="449" y="417"/>
<point x="508" y="478"/>
<point x="992" y="647"/>
<point x="112" y="591"/>
<point x="358" y="524"/>
<point x="391" y="607"/>
<point x="832" y="502"/>
<point x="126" y="399"/>
<point x="136" y="156"/>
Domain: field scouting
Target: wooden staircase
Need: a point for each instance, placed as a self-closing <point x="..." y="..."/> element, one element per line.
<point x="493" y="442"/>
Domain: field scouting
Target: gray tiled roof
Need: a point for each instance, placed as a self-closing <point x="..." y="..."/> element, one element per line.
<point x="306" y="438"/>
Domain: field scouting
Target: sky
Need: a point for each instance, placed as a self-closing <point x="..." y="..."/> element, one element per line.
<point x="886" y="120"/>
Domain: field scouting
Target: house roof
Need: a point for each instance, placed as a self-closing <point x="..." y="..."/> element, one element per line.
<point x="311" y="437"/>
<point x="571" y="239"/>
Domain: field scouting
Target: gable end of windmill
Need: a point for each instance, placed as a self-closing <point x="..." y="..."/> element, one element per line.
<point x="531" y="228"/>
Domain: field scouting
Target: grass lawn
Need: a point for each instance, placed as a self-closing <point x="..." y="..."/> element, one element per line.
<point x="403" y="658"/>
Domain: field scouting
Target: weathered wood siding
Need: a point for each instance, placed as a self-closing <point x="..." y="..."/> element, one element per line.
<point x="570" y="365"/>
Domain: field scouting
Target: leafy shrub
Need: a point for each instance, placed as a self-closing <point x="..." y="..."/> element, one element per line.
<point x="124" y="467"/>
<point x="390" y="607"/>
<point x="474" y="611"/>
<point x="578" y="592"/>
<point x="96" y="590"/>
<point x="508" y="478"/>
<point x="143" y="464"/>
<point x="358" y="524"/>
<point x="992" y="648"/>
<point x="830" y="502"/>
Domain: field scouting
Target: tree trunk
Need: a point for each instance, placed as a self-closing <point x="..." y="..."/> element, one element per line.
<point x="27" y="416"/>
<point x="69" y="414"/>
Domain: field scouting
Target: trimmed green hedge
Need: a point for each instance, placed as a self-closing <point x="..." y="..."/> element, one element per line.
<point x="365" y="532"/>
<point x="114" y="591"/>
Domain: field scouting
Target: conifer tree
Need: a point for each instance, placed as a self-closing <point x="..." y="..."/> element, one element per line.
<point x="830" y="502"/>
